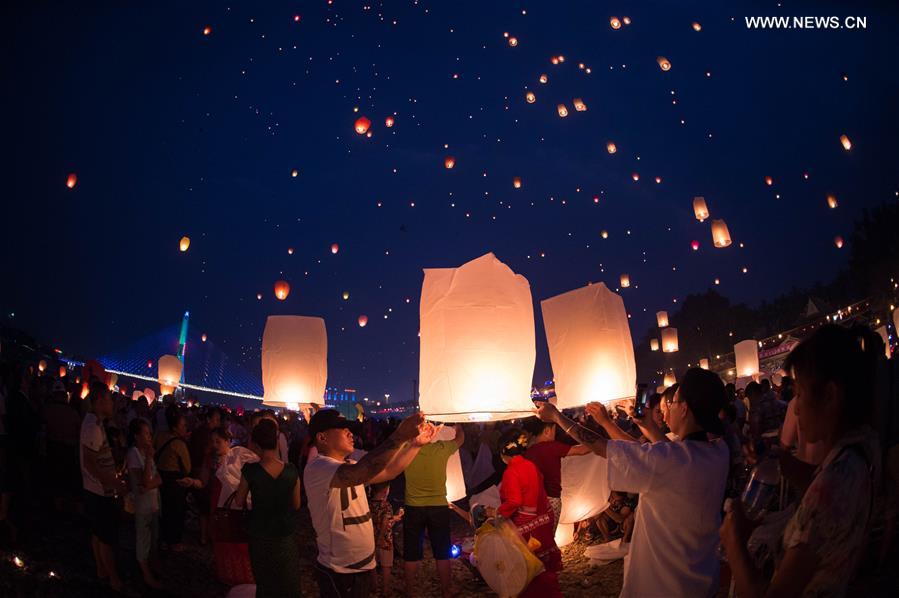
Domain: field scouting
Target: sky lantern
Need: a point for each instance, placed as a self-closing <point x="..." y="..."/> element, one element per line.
<point x="700" y="209"/>
<point x="604" y="234"/>
<point x="662" y="319"/>
<point x="169" y="369"/>
<point x="832" y="201"/>
<point x="704" y="363"/>
<point x="71" y="180"/>
<point x="335" y="248"/>
<point x="669" y="340"/>
<point x="455" y="480"/>
<point x="746" y="354"/>
<point x="697" y="26"/>
<point x="149" y="363"/>
<point x="449" y="162"/>
<point x="615" y="22"/>
<point x="282" y="290"/>
<point x="590" y="346"/>
<point x="653" y="344"/>
<point x="184" y="243"/>
<point x="203" y="338"/>
<point x="658" y="180"/>
<point x="111" y="381"/>
<point x="294" y="173"/>
<point x="844" y="140"/>
<point x="543" y="78"/>
<point x="477" y="332"/>
<point x="362" y="125"/>
<point x="720" y="233"/>
<point x="207" y="30"/>
<point x="389" y="121"/>
<point x="769" y="181"/>
<point x="611" y="147"/>
<point x="42" y="365"/>
<point x="62" y="371"/>
<point x="563" y="111"/>
<point x="259" y="296"/>
<point x="294" y="361"/>
<point x="290" y="251"/>
<point x="625" y="281"/>
<point x="664" y="64"/>
<point x="694" y="245"/>
<point x="513" y="41"/>
<point x="635" y="176"/>
<point x="363" y="320"/>
<point x="626" y="20"/>
<point x="838" y="241"/>
<point x="346" y="295"/>
<point x="579" y="105"/>
<point x="516" y="182"/>
<point x="669" y="380"/>
<point x="530" y="98"/>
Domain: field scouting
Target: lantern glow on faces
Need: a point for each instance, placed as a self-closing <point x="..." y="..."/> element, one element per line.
<point x="662" y="319"/>
<point x="477" y="331"/>
<point x="700" y="209"/>
<point x="720" y="233"/>
<point x="362" y="125"/>
<point x="664" y="64"/>
<point x="168" y="368"/>
<point x="184" y="243"/>
<point x="294" y="361"/>
<point x="625" y="281"/>
<point x="669" y="340"/>
<point x="71" y="180"/>
<point x="844" y="140"/>
<point x="282" y="290"/>
<point x="746" y="354"/>
<point x="563" y="111"/>
<point x="653" y="344"/>
<point x="449" y="162"/>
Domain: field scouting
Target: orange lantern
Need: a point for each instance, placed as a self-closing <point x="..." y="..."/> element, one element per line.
<point x="530" y="98"/>
<point x="335" y="248"/>
<point x="563" y="111"/>
<point x="543" y="78"/>
<point x="513" y="41"/>
<point x="71" y="180"/>
<point x="290" y="251"/>
<point x="669" y="340"/>
<point x="62" y="371"/>
<point x="635" y="176"/>
<point x="625" y="281"/>
<point x="720" y="233"/>
<point x="670" y="379"/>
<point x="700" y="209"/>
<point x="704" y="363"/>
<point x="611" y="147"/>
<point x="363" y="320"/>
<point x="831" y="201"/>
<point x="346" y="295"/>
<point x="516" y="182"/>
<point x="388" y="122"/>
<point x="615" y="22"/>
<point x="697" y="27"/>
<point x="184" y="243"/>
<point x="662" y="318"/>
<point x="169" y="370"/>
<point x="626" y="20"/>
<point x="207" y="30"/>
<point x="579" y="105"/>
<point x="604" y="234"/>
<point x="746" y="356"/>
<point x="282" y="290"/>
<point x="294" y="173"/>
<point x="41" y="365"/>
<point x="362" y="125"/>
<point x="838" y="241"/>
<point x="203" y="338"/>
<point x="847" y="145"/>
<point x="449" y="162"/>
<point x="653" y="344"/>
<point x="664" y="64"/>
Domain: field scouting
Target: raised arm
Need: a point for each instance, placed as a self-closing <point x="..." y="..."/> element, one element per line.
<point x="547" y="412"/>
<point x="600" y="415"/>
<point x="375" y="461"/>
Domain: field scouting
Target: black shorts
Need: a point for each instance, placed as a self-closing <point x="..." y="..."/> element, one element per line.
<point x="434" y="519"/>
<point x="103" y="517"/>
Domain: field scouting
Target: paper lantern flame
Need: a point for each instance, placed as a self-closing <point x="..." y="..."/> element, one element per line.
<point x="563" y="111"/>
<point x="720" y="233"/>
<point x="838" y="241"/>
<point x="590" y="346"/>
<point x="579" y="105"/>
<point x="611" y="147"/>
<point x="449" y="162"/>
<point x="184" y="243"/>
<point x="294" y="361"/>
<point x="389" y="121"/>
<point x="516" y="182"/>
<point x="543" y="78"/>
<point x="168" y="370"/>
<point x="700" y="209"/>
<point x="477" y="342"/>
<point x="62" y="371"/>
<point x="669" y="340"/>
<point x="831" y="201"/>
<point x="662" y="318"/>
<point x="42" y="365"/>
<point x="615" y="22"/>
<point x="362" y="124"/>
<point x="335" y="248"/>
<point x="746" y="355"/>
<point x="697" y="26"/>
<point x="530" y="98"/>
<point x="282" y="290"/>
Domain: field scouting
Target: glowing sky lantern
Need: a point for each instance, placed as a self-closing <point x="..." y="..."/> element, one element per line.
<point x="290" y="251"/>
<point x="150" y="394"/>
<point x="543" y="78"/>
<point x="530" y="98"/>
<point x="335" y="248"/>
<point x="700" y="209"/>
<point x="184" y="243"/>
<point x="203" y="338"/>
<point x="449" y="162"/>
<point x="832" y="201"/>
<point x="590" y="346"/>
<point x="168" y="370"/>
<point x="346" y="295"/>
<point x="838" y="241"/>
<point x="389" y="121"/>
<point x="585" y="489"/>
<point x="111" y="381"/>
<point x="653" y="344"/>
<point x="294" y="173"/>
<point x="477" y="342"/>
<point x="746" y="354"/>
<point x="207" y="30"/>
<point x="42" y="365"/>
<point x="664" y="64"/>
<point x="604" y="234"/>
<point x="513" y="41"/>
<point x="611" y="147"/>
<point x="363" y="320"/>
<point x="844" y="140"/>
<point x="669" y="340"/>
<point x="697" y="26"/>
<point x="136" y="395"/>
<point x="694" y="245"/>
<point x="579" y="105"/>
<point x="704" y="363"/>
<point x="563" y="111"/>
<point x="635" y="176"/>
<point x="658" y="180"/>
<point x="149" y="363"/>
<point x="516" y="182"/>
<point x="769" y="181"/>
<point x="615" y="22"/>
<point x="625" y="281"/>
<point x="626" y="20"/>
<point x="670" y="379"/>
<point x="662" y="319"/>
<point x="71" y="180"/>
<point x="62" y="371"/>
<point x="294" y="361"/>
<point x="720" y="233"/>
<point x="259" y="296"/>
<point x="362" y="125"/>
<point x="282" y="290"/>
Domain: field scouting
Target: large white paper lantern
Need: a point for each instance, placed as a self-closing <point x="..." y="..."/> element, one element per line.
<point x="169" y="368"/>
<point x="477" y="342"/>
<point x="589" y="346"/>
<point x="704" y="363"/>
<point x="720" y="233"/>
<point x="294" y="361"/>
<point x="662" y="318"/>
<point x="882" y="331"/>
<point x="746" y="354"/>
<point x="669" y="380"/>
<point x="455" y="481"/>
<point x="653" y="344"/>
<point x="669" y="340"/>
<point x="585" y="487"/>
<point x="700" y="209"/>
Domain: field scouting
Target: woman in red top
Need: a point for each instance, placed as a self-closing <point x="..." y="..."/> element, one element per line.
<point x="524" y="503"/>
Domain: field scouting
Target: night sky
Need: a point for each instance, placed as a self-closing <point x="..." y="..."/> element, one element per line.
<point x="174" y="132"/>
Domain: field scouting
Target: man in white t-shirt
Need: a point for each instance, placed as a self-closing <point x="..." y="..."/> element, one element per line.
<point x="681" y="485"/>
<point x="335" y="489"/>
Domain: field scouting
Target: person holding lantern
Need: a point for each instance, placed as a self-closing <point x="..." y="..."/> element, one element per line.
<point x="681" y="481"/>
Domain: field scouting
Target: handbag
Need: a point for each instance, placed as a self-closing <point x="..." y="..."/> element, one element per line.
<point x="229" y="525"/>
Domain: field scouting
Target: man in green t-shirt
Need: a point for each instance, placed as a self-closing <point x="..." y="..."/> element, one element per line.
<point x="427" y="509"/>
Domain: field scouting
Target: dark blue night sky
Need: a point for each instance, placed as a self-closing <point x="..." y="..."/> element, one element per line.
<point x="172" y="132"/>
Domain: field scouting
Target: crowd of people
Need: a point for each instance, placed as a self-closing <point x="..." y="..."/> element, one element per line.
<point x="677" y="474"/>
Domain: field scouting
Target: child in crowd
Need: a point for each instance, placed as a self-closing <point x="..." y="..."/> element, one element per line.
<point x="145" y="483"/>
<point x="383" y="519"/>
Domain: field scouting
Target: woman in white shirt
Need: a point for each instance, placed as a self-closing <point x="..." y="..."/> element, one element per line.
<point x="228" y="462"/>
